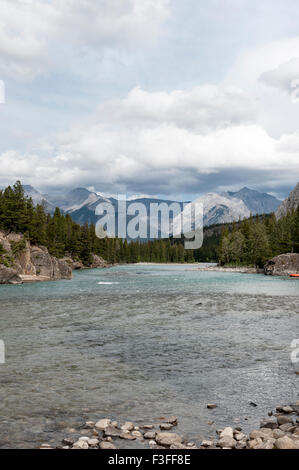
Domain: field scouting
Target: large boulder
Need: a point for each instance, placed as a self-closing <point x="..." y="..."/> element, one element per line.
<point x="283" y="265"/>
<point x="42" y="261"/>
<point x="98" y="262"/>
<point x="64" y="269"/>
<point x="9" y="276"/>
<point x="48" y="266"/>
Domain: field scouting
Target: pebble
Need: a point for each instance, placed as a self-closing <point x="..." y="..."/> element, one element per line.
<point x="68" y="442"/>
<point x="80" y="445"/>
<point x="211" y="406"/>
<point x="287" y="409"/>
<point x="285" y="443"/>
<point x="107" y="445"/>
<point x="284" y="420"/>
<point x="172" y="420"/>
<point x="227" y="442"/>
<point x="149" y="435"/>
<point x="128" y="436"/>
<point x="90" y="424"/>
<point x="281" y="431"/>
<point x="205" y="443"/>
<point x="227" y="432"/>
<point x="93" y="442"/>
<point x="167" y="439"/>
<point x="128" y="426"/>
<point x="166" y="426"/>
<point x="137" y="434"/>
<point x="103" y="424"/>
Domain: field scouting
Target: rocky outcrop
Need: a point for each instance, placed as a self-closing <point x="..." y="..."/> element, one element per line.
<point x="9" y="276"/>
<point x="29" y="263"/>
<point x="289" y="204"/>
<point x="283" y="265"/>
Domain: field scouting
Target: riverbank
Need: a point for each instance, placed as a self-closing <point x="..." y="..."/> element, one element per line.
<point x="240" y="269"/>
<point x="21" y="262"/>
<point x="280" y="430"/>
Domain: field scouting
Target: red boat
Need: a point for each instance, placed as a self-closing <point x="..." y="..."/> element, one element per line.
<point x="294" y="275"/>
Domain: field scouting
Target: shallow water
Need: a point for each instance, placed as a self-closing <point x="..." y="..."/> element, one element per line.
<point x="138" y="342"/>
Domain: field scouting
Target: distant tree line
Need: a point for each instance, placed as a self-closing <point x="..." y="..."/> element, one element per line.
<point x="255" y="240"/>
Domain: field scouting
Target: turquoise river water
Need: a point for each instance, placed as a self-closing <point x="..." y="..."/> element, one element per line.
<point x="138" y="342"/>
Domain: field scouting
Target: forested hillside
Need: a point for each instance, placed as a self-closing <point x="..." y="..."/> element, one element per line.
<point x="255" y="240"/>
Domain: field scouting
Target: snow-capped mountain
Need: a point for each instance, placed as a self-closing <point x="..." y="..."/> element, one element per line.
<point x="81" y="204"/>
<point x="216" y="209"/>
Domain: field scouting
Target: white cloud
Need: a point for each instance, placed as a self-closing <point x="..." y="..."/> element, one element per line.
<point x="284" y="77"/>
<point x="200" y="109"/>
<point x="176" y="155"/>
<point x="30" y="28"/>
<point x="254" y="62"/>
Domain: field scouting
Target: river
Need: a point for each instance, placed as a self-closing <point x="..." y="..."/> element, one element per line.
<point x="138" y="342"/>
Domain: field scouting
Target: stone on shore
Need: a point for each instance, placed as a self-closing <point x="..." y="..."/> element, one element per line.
<point x="263" y="433"/>
<point x="93" y="442"/>
<point x="80" y="445"/>
<point x="227" y="442"/>
<point x="128" y="436"/>
<point x="137" y="434"/>
<point x="111" y="431"/>
<point x="227" y="432"/>
<point x="281" y="419"/>
<point x="149" y="435"/>
<point x="285" y="443"/>
<point x="166" y="426"/>
<point x="107" y="445"/>
<point x="128" y="426"/>
<point x="172" y="420"/>
<point x="205" y="443"/>
<point x="269" y="423"/>
<point x="167" y="439"/>
<point x="102" y="424"/>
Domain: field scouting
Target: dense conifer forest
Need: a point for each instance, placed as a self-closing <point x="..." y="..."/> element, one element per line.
<point x="253" y="241"/>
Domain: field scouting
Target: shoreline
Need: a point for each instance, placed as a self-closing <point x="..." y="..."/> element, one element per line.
<point x="280" y="430"/>
<point x="240" y="269"/>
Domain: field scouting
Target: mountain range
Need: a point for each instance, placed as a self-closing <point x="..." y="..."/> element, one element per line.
<point x="227" y="207"/>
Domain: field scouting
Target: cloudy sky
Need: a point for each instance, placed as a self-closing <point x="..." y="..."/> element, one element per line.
<point x="163" y="97"/>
